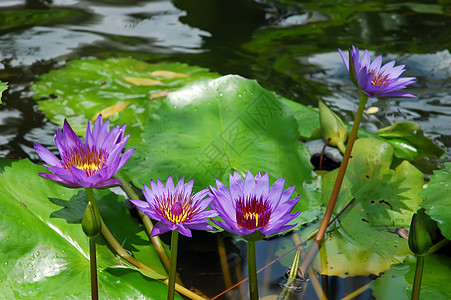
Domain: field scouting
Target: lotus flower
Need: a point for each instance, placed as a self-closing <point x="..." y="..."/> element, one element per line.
<point x="374" y="80"/>
<point x="253" y="206"/>
<point x="175" y="207"/>
<point x="91" y="164"/>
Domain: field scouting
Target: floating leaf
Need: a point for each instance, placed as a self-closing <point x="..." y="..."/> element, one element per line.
<point x="211" y="128"/>
<point x="168" y="74"/>
<point x="143" y="81"/>
<point x="3" y="87"/>
<point x="414" y="137"/>
<point x="44" y="252"/>
<point x="364" y="241"/>
<point x="84" y="87"/>
<point x="110" y="110"/>
<point x="437" y="199"/>
<point x="397" y="282"/>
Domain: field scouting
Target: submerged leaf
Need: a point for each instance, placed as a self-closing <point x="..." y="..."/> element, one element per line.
<point x="110" y="110"/>
<point x="143" y="81"/>
<point x="168" y="74"/>
<point x="160" y="94"/>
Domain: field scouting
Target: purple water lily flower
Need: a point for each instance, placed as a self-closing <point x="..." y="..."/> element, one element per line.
<point x="91" y="164"/>
<point x="175" y="207"/>
<point x="253" y="206"/>
<point x="374" y="80"/>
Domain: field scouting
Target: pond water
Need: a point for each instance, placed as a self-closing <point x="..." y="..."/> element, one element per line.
<point x="289" y="47"/>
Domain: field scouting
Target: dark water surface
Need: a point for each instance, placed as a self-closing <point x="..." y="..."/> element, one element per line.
<point x="288" y="46"/>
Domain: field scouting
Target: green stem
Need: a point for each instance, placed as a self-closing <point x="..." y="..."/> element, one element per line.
<point x="417" y="279"/>
<point x="93" y="264"/>
<point x="111" y="240"/>
<point x="92" y="249"/>
<point x="340" y="176"/>
<point x="91" y="198"/>
<point x="252" y="270"/>
<point x="173" y="268"/>
<point x="439" y="245"/>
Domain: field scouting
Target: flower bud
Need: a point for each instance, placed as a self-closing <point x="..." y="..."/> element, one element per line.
<point x="91" y="223"/>
<point x="332" y="127"/>
<point x="419" y="239"/>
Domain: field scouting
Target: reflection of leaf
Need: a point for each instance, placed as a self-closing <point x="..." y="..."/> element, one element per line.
<point x="110" y="110"/>
<point x="397" y="282"/>
<point x="437" y="199"/>
<point x="363" y="241"/>
<point x="84" y="87"/>
<point x="168" y="74"/>
<point x="143" y="81"/>
<point x="29" y="17"/>
<point x="211" y="128"/>
<point x="45" y="255"/>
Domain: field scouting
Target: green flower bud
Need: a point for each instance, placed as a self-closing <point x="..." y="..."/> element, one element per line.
<point x="419" y="239"/>
<point x="332" y="127"/>
<point x="91" y="223"/>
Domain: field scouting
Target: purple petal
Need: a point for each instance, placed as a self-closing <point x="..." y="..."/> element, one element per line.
<point x="46" y="155"/>
<point x="107" y="183"/>
<point x="203" y="226"/>
<point x="159" y="228"/>
<point x="236" y="186"/>
<point x="184" y="230"/>
<point x="345" y="58"/>
<point x="262" y="185"/>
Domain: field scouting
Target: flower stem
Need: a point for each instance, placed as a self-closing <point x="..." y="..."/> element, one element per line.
<point x="93" y="269"/>
<point x="156" y="241"/>
<point x="92" y="250"/>
<point x="111" y="240"/>
<point x="173" y="268"/>
<point x="252" y="270"/>
<point x="417" y="278"/>
<point x="340" y="176"/>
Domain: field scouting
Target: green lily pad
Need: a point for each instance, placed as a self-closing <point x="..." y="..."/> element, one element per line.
<point x="437" y="199"/>
<point x="409" y="141"/>
<point x="210" y="128"/>
<point x="363" y="239"/>
<point x="44" y="252"/>
<point x="397" y="282"/>
<point x="123" y="90"/>
<point x="3" y="87"/>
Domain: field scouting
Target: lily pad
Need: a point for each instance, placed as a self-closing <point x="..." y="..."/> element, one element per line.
<point x="437" y="199"/>
<point x="210" y="128"/>
<point x="409" y="141"/>
<point x="123" y="88"/>
<point x="397" y="282"/>
<point x="44" y="252"/>
<point x="3" y="87"/>
<point x="364" y="241"/>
